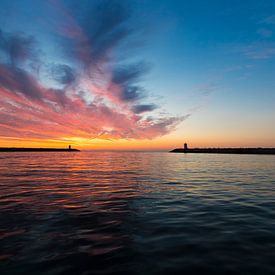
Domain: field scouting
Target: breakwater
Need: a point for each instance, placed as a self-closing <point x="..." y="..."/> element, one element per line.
<point x="14" y="149"/>
<point x="255" y="151"/>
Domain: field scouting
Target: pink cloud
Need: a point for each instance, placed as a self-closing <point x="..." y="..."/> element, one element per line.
<point x="102" y="100"/>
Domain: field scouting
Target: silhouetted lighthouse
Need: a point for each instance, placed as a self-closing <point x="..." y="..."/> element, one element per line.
<point x="70" y="147"/>
<point x="185" y="147"/>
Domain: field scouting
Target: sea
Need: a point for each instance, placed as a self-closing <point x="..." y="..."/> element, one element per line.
<point x="136" y="213"/>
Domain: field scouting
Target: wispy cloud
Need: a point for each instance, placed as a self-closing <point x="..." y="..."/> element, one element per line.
<point x="18" y="47"/>
<point x="265" y="33"/>
<point x="269" y="20"/>
<point x="259" y="50"/>
<point x="142" y="108"/>
<point x="96" y="94"/>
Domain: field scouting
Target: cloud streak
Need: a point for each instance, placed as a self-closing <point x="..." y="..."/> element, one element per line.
<point x="17" y="47"/>
<point x="90" y="94"/>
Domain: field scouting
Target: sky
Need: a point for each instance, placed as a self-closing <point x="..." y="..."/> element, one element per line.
<point x="137" y="75"/>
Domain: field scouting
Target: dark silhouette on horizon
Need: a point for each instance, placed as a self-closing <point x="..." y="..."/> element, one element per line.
<point x="23" y="149"/>
<point x="255" y="151"/>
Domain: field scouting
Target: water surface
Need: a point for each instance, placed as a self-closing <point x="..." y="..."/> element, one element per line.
<point x="136" y="213"/>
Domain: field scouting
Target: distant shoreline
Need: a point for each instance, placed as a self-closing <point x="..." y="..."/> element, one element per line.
<point x="252" y="151"/>
<point x="14" y="149"/>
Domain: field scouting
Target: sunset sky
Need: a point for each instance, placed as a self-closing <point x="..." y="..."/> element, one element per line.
<point x="147" y="74"/>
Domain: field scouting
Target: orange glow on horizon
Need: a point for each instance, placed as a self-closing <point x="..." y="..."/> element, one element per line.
<point x="164" y="143"/>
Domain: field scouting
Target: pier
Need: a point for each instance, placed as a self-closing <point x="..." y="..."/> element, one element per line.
<point x="23" y="149"/>
<point x="254" y="151"/>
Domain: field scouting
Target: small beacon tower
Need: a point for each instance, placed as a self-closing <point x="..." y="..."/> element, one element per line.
<point x="185" y="147"/>
<point x="70" y="147"/>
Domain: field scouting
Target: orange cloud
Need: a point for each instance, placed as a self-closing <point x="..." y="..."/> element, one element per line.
<point x="95" y="97"/>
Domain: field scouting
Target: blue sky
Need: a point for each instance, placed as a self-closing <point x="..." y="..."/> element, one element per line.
<point x="218" y="56"/>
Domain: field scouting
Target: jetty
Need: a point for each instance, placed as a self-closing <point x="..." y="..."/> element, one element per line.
<point x="23" y="149"/>
<point x="252" y="151"/>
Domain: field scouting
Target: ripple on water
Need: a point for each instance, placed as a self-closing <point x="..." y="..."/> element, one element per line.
<point x="133" y="212"/>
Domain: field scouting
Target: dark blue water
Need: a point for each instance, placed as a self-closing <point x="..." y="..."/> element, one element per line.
<point x="136" y="213"/>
